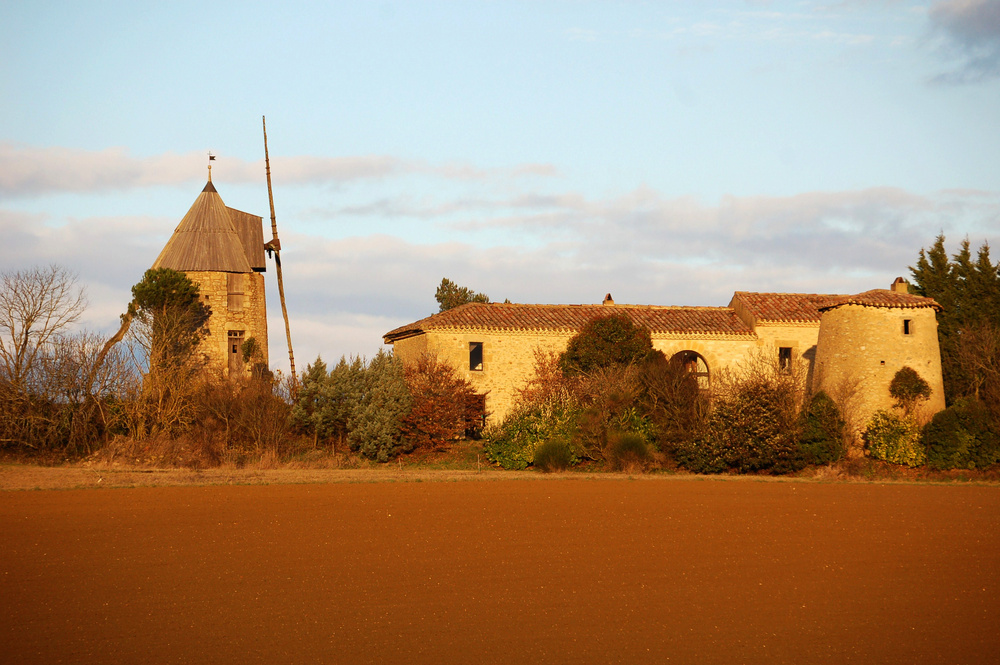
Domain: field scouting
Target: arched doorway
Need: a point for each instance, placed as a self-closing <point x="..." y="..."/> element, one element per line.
<point x="694" y="363"/>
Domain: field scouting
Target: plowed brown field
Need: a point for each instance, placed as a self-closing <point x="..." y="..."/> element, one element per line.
<point x="563" y="571"/>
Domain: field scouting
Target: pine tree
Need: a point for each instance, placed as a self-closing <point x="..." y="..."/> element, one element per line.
<point x="449" y="295"/>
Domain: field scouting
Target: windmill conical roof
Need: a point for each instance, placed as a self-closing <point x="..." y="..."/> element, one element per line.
<point x="206" y="239"/>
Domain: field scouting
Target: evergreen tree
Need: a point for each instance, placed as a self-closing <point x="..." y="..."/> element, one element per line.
<point x="449" y="295"/>
<point x="382" y="402"/>
<point x="969" y="292"/>
<point x="169" y="303"/>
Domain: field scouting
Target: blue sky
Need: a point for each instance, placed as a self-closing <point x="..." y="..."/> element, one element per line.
<point x="546" y="151"/>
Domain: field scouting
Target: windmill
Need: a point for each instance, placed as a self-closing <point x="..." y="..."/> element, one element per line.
<point x="274" y="246"/>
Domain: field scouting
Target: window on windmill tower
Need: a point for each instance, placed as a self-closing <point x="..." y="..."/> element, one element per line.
<point x="785" y="358"/>
<point x="235" y="286"/>
<point x="476" y="356"/>
<point x="907" y="327"/>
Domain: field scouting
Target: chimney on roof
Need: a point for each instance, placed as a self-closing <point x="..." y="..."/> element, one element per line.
<point x="608" y="300"/>
<point x="900" y="286"/>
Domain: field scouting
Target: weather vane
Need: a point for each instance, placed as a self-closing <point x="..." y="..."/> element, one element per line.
<point x="211" y="158"/>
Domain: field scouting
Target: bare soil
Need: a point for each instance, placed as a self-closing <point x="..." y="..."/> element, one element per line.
<point x="570" y="570"/>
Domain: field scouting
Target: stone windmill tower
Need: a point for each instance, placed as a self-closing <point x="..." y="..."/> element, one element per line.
<point x="221" y="249"/>
<point x="866" y="338"/>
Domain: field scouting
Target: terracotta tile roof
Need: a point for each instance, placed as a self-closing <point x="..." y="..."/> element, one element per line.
<point x="570" y="318"/>
<point x="782" y="307"/>
<point x="883" y="298"/>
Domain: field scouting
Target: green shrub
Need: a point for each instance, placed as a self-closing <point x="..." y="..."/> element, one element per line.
<point x="628" y="450"/>
<point x="752" y="427"/>
<point x="893" y="439"/>
<point x="512" y="443"/>
<point x="821" y="438"/>
<point x="553" y="455"/>
<point x="962" y="436"/>
<point x="609" y="399"/>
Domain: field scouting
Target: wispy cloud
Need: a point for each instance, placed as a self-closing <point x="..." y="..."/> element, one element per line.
<point x="971" y="29"/>
<point x="27" y="171"/>
<point x="643" y="220"/>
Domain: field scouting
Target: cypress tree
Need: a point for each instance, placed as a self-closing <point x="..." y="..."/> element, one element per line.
<point x="969" y="292"/>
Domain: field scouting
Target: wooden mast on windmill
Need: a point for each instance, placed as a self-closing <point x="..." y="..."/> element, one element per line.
<point x="275" y="246"/>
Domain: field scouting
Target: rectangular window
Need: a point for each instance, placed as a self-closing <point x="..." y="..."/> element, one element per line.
<point x="234" y="285"/>
<point x="785" y="358"/>
<point x="476" y="356"/>
<point x="907" y="327"/>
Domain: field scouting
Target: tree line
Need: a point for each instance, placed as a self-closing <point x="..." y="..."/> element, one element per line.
<point x="148" y="395"/>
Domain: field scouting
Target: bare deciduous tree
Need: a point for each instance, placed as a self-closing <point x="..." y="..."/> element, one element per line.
<point x="36" y="307"/>
<point x="979" y="356"/>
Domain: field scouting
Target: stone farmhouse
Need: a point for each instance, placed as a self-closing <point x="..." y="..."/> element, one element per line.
<point x="862" y="340"/>
<point x="221" y="249"/>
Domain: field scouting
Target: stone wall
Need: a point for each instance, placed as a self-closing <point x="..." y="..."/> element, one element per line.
<point x="861" y="348"/>
<point x="508" y="360"/>
<point x="509" y="357"/>
<point x="252" y="319"/>
<point x="801" y="338"/>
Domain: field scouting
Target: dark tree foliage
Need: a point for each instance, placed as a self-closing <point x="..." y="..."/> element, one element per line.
<point x="821" y="437"/>
<point x="968" y="290"/>
<point x="908" y="388"/>
<point x="169" y="302"/>
<point x="963" y="436"/>
<point x="604" y="342"/>
<point x="449" y="295"/>
<point x="752" y="428"/>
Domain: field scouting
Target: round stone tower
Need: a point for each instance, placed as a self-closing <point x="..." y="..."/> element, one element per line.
<point x="865" y="339"/>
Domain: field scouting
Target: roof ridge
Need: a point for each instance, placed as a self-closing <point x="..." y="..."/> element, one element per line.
<point x="697" y="320"/>
<point x="884" y="298"/>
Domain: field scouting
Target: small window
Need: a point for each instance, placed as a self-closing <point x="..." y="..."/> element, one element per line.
<point x="785" y="358"/>
<point x="476" y="356"/>
<point x="907" y="327"/>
